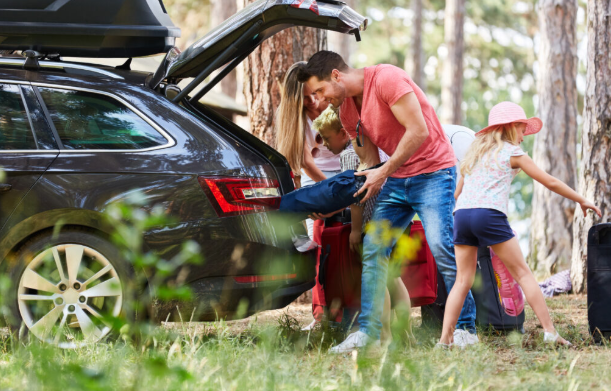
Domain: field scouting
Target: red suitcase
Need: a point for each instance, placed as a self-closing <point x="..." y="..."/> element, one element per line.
<point x="420" y="275"/>
<point x="341" y="271"/>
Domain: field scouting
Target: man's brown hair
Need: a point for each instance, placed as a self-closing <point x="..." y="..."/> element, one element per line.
<point x="321" y="65"/>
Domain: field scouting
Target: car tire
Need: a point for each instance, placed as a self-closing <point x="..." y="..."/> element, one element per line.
<point x="69" y="289"/>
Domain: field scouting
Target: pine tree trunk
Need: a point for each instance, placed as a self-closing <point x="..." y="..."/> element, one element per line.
<point x="452" y="77"/>
<point x="595" y="168"/>
<point x="265" y="68"/>
<point x="221" y="11"/>
<point x="416" y="68"/>
<point x="554" y="149"/>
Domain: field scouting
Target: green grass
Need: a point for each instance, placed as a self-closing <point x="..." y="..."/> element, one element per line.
<point x="270" y="353"/>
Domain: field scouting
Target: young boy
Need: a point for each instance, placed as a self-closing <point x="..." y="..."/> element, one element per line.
<point x="336" y="139"/>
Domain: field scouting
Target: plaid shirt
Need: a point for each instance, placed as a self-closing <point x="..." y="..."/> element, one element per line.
<point x="349" y="160"/>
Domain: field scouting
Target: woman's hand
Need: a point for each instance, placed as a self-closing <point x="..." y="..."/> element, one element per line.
<point x="355" y="240"/>
<point x="320" y="216"/>
<point x="585" y="205"/>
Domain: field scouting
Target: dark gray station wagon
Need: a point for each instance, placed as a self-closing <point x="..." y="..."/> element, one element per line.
<point x="78" y="137"/>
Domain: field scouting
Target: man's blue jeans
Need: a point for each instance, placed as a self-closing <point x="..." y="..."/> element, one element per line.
<point x="432" y="197"/>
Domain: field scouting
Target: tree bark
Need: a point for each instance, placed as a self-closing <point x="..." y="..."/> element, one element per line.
<point x="595" y="168"/>
<point x="452" y="77"/>
<point x="265" y="68"/>
<point x="554" y="148"/>
<point x="416" y="68"/>
<point x="221" y="11"/>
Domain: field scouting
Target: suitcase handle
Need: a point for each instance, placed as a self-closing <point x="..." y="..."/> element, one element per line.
<point x="322" y="266"/>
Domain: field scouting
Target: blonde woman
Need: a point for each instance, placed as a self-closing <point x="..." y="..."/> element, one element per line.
<point x="310" y="161"/>
<point x="296" y="139"/>
<point x="480" y="217"/>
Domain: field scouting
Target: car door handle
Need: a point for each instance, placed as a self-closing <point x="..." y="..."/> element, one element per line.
<point x="5" y="187"/>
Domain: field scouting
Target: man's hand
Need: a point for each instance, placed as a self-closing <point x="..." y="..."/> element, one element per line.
<point x="355" y="239"/>
<point x="373" y="184"/>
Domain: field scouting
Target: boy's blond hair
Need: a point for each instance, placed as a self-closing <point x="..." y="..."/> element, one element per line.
<point x="328" y="119"/>
<point x="483" y="146"/>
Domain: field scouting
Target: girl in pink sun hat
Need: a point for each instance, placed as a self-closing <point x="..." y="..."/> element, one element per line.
<point x="480" y="216"/>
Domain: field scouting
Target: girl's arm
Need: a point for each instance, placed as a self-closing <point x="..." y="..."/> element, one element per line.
<point x="556" y="185"/>
<point x="459" y="186"/>
<point x="309" y="167"/>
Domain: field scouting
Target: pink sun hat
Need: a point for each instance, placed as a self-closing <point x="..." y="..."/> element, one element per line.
<point x="508" y="112"/>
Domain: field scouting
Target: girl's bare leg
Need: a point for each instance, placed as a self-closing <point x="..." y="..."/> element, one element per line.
<point x="511" y="255"/>
<point x="466" y="261"/>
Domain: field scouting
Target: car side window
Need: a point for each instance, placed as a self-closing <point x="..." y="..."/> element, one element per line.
<point x="15" y="130"/>
<point x="86" y="120"/>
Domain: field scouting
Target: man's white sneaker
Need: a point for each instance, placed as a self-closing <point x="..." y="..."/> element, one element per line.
<point x="354" y="341"/>
<point x="463" y="338"/>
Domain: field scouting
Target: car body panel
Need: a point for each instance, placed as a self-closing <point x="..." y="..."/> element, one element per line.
<point x="75" y="187"/>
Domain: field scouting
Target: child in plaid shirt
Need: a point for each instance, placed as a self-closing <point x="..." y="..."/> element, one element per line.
<point x="337" y="140"/>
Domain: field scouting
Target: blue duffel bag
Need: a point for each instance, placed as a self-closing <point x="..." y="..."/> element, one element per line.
<point x="323" y="197"/>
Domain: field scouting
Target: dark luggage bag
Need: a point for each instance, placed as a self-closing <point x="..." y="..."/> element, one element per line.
<point x="599" y="281"/>
<point x="489" y="308"/>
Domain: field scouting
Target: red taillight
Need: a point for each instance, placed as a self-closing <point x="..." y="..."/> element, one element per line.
<point x="237" y="196"/>
<point x="306" y="4"/>
<point x="251" y="279"/>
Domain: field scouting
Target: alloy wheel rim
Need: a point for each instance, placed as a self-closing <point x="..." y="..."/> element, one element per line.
<point x="67" y="293"/>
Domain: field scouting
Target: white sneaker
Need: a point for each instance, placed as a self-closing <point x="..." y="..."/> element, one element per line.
<point x="354" y="341"/>
<point x="463" y="338"/>
<point x="310" y="326"/>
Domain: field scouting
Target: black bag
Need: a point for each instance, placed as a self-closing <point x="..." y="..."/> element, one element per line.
<point x="432" y="314"/>
<point x="489" y="310"/>
<point x="599" y="281"/>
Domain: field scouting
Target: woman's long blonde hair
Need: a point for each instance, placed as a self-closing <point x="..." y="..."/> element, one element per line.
<point x="291" y="120"/>
<point x="487" y="144"/>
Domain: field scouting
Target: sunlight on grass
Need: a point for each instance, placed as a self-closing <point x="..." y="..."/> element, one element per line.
<point x="275" y="355"/>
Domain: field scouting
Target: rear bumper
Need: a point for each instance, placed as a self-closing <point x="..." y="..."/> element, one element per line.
<point x="224" y="298"/>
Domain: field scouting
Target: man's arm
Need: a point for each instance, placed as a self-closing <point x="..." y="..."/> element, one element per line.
<point x="369" y="154"/>
<point x="408" y="112"/>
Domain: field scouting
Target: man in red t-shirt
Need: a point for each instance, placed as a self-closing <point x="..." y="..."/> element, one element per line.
<point x="383" y="103"/>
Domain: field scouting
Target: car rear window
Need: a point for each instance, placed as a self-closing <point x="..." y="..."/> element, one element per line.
<point x="15" y="130"/>
<point x="86" y="120"/>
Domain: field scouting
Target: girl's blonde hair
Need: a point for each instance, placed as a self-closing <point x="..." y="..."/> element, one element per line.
<point x="291" y="119"/>
<point x="490" y="142"/>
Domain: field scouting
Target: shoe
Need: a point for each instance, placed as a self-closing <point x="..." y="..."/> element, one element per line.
<point x="556" y="339"/>
<point x="310" y="326"/>
<point x="354" y="341"/>
<point x="463" y="338"/>
<point x="443" y="346"/>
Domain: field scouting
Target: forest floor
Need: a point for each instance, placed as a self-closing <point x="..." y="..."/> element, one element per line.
<point x="269" y="352"/>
